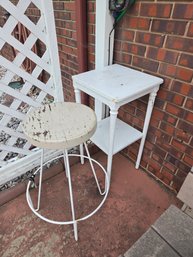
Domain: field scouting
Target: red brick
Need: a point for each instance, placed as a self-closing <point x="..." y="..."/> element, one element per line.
<point x="58" y="5"/>
<point x="153" y="166"/>
<point x="189" y="150"/>
<point x="133" y="48"/>
<point x="191" y="142"/>
<point x="179" y="43"/>
<point x="188" y="116"/>
<point x="187" y="127"/>
<point x="157" y="114"/>
<point x="184" y="74"/>
<point x="91" y="7"/>
<point x="182" y="88"/>
<point x="172" y="168"/>
<point x="186" y="60"/>
<point x="168" y="69"/>
<point x="178" y="145"/>
<point x="190" y="30"/>
<point x="170" y="119"/>
<point x="149" y="39"/>
<point x="168" y="175"/>
<point x="177" y="182"/>
<point x="172" y="159"/>
<point x="70" y="6"/>
<point x="156" y="10"/>
<point x="145" y="64"/>
<point x="171" y="97"/>
<point x="91" y="18"/>
<point x="182" y="135"/>
<point x="134" y="10"/>
<point x="138" y="23"/>
<point x="183" y="11"/>
<point x="189" y="104"/>
<point x="162" y="54"/>
<point x="169" y="27"/>
<point x="188" y="160"/>
<point x="159" y="103"/>
<point x="123" y="57"/>
<point x="174" y="110"/>
<point x="126" y="35"/>
<point x="139" y="104"/>
<point x="160" y="152"/>
<point x="178" y="100"/>
<point x="167" y="128"/>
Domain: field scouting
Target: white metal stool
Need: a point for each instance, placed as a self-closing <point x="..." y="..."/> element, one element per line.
<point x="62" y="126"/>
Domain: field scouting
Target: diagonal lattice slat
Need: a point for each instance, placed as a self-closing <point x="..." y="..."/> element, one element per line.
<point x="34" y="90"/>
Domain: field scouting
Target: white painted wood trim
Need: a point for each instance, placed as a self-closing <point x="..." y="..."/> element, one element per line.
<point x="48" y="12"/>
<point x="15" y="93"/>
<point x="104" y="24"/>
<point x="14" y="149"/>
<point x="12" y="22"/>
<point x="12" y="132"/>
<point x="19" y="16"/>
<point x="24" y="50"/>
<point x="29" y="162"/>
<point x="11" y="112"/>
<point x="25" y="75"/>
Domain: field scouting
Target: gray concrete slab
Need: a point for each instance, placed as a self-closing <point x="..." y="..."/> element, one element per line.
<point x="186" y="193"/>
<point x="177" y="229"/>
<point x="151" y="245"/>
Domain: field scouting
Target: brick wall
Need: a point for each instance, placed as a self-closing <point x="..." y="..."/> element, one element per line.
<point x="67" y="43"/>
<point x="154" y="36"/>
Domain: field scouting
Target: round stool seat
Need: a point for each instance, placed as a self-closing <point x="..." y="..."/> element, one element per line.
<point x="60" y="125"/>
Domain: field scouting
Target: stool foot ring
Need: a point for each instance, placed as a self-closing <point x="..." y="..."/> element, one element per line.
<point x="73" y="221"/>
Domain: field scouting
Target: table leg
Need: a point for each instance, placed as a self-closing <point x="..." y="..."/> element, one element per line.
<point x="78" y="100"/>
<point x="113" y="118"/>
<point x="151" y="101"/>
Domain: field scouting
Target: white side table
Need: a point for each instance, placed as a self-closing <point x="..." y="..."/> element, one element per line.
<point x="115" y="86"/>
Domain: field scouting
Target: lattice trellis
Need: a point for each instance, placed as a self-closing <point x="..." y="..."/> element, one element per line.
<point x="16" y="156"/>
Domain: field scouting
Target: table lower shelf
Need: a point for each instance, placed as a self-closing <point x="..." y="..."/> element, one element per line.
<point x="124" y="135"/>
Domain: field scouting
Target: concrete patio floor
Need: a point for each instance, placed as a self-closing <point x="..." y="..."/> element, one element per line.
<point x="134" y="202"/>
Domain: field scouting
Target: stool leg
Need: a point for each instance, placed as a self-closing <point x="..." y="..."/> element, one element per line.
<point x="71" y="196"/>
<point x="81" y="154"/>
<point x="65" y="165"/>
<point x="40" y="180"/>
<point x="94" y="172"/>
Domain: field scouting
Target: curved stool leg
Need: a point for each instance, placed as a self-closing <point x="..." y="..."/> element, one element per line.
<point x="71" y="196"/>
<point x="94" y="172"/>
<point x="40" y="179"/>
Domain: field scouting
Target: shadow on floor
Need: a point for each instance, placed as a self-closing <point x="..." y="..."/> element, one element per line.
<point x="134" y="203"/>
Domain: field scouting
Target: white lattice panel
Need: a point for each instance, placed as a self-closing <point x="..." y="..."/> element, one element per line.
<point x="40" y="84"/>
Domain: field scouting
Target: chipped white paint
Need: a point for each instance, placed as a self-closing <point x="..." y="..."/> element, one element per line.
<point x="60" y="125"/>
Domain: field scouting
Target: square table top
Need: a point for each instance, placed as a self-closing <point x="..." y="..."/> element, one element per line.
<point x="116" y="83"/>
